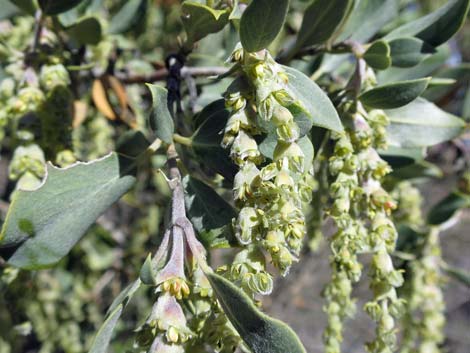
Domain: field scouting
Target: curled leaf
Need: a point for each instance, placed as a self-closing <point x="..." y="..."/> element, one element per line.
<point x="261" y="333"/>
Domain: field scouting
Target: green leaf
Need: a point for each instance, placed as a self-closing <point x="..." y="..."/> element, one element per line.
<point x="207" y="140"/>
<point x="437" y="27"/>
<point x="147" y="272"/>
<point x="409" y="51"/>
<point x="200" y="20"/>
<point x="261" y="333"/>
<point x="209" y="213"/>
<point x="269" y="144"/>
<point x="458" y="274"/>
<point x="103" y="337"/>
<point x="421" y="124"/>
<point x="448" y="207"/>
<point x="378" y="55"/>
<point x="367" y="18"/>
<point x="421" y="169"/>
<point x="132" y="143"/>
<point x="128" y="16"/>
<point x="261" y="22"/>
<point x="466" y="105"/>
<point x="28" y="6"/>
<point x="160" y="118"/>
<point x="124" y="297"/>
<point x="8" y="10"/>
<point x="399" y="157"/>
<point x="394" y="95"/>
<point x="446" y="80"/>
<point x="425" y="68"/>
<point x="46" y="223"/>
<point x="55" y="7"/>
<point x="315" y="101"/>
<point x="321" y="21"/>
<point x="86" y="30"/>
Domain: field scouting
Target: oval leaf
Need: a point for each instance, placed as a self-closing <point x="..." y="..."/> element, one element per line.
<point x="200" y="20"/>
<point x="448" y="207"/>
<point x="103" y="337"/>
<point x="208" y="137"/>
<point x="437" y="27"/>
<point x="408" y="51"/>
<point x="459" y="274"/>
<point x="55" y="7"/>
<point x="378" y="55"/>
<point x="261" y="22"/>
<point x="46" y="223"/>
<point x="130" y="14"/>
<point x="147" y="272"/>
<point x="209" y="213"/>
<point x="321" y="20"/>
<point x="160" y="119"/>
<point x="261" y="333"/>
<point x="367" y="18"/>
<point x="394" y="95"/>
<point x="315" y="101"/>
<point x="86" y="31"/>
<point x="421" y="124"/>
<point x="28" y="6"/>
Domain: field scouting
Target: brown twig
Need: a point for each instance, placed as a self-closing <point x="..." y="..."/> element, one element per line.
<point x="162" y="74"/>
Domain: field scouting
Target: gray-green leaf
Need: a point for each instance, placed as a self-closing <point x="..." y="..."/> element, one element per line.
<point x="208" y="137"/>
<point x="409" y="51"/>
<point x="200" y="20"/>
<point x="459" y="274"/>
<point x="160" y="119"/>
<point x="209" y="213"/>
<point x="367" y="18"/>
<point x="261" y="333"/>
<point x="28" y="6"/>
<point x="55" y="7"/>
<point x="437" y="27"/>
<point x="261" y="23"/>
<point x="321" y="20"/>
<point x="128" y="16"/>
<point x="315" y="101"/>
<point x="448" y="207"/>
<point x="86" y="30"/>
<point x="377" y="55"/>
<point x="421" y="124"/>
<point x="103" y="337"/>
<point x="46" y="223"/>
<point x="394" y="95"/>
<point x="8" y="10"/>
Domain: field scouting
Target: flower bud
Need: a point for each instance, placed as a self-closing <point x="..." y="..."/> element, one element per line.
<point x="283" y="98"/>
<point x="247" y="221"/>
<point x="245" y="148"/>
<point x="54" y="75"/>
<point x="292" y="152"/>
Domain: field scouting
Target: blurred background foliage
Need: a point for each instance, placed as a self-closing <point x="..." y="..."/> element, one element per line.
<point x="60" y="310"/>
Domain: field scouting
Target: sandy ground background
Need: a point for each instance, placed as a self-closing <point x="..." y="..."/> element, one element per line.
<point x="297" y="299"/>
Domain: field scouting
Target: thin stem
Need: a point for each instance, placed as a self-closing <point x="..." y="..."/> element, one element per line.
<point x="156" y="144"/>
<point x="37" y="30"/>
<point x="294" y="52"/>
<point x="185" y="141"/>
<point x="162" y="74"/>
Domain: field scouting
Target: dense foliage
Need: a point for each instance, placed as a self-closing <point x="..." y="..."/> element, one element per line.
<point x="140" y="137"/>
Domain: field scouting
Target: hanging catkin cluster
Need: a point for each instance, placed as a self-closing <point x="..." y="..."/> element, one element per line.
<point x="38" y="110"/>
<point x="269" y="193"/>
<point x="423" y="332"/>
<point x="361" y="211"/>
